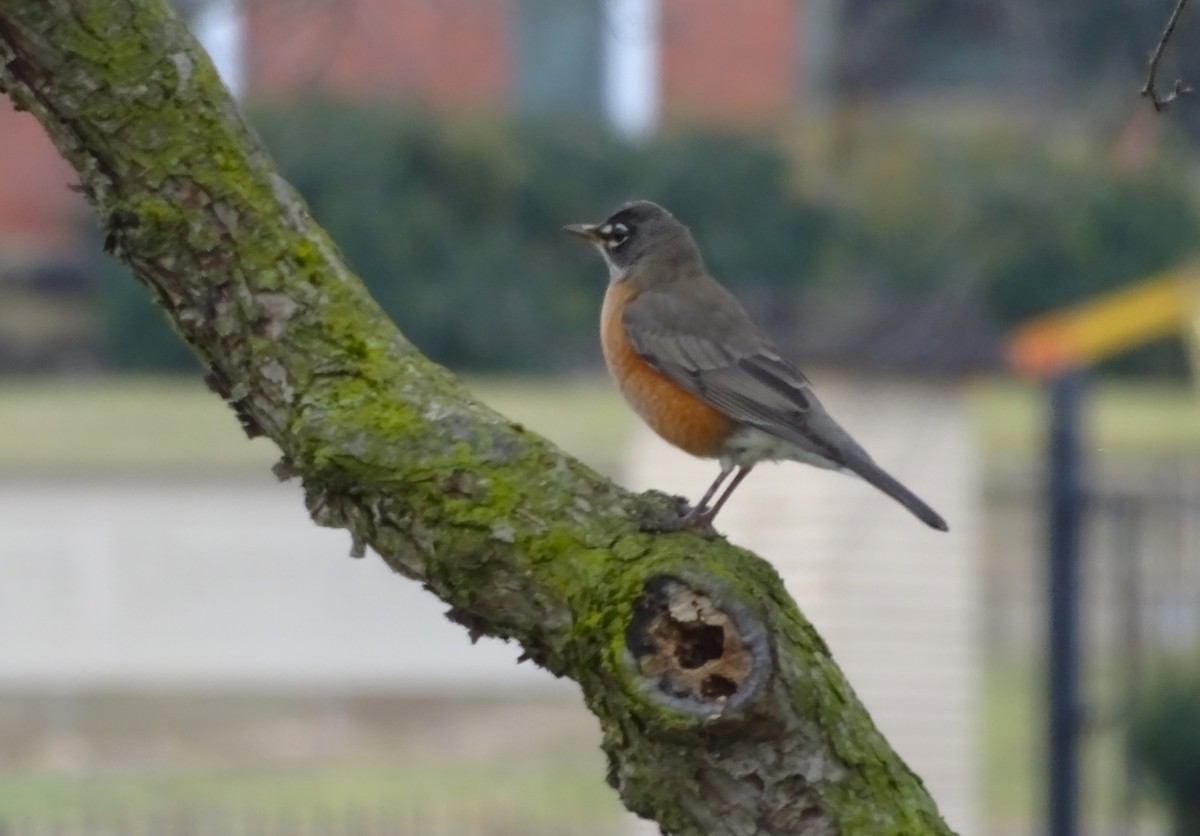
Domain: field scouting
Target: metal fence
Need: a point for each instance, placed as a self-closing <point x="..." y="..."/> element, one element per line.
<point x="1139" y="600"/>
<point x="1141" y="572"/>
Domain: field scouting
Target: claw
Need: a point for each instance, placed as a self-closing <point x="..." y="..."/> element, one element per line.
<point x="697" y="519"/>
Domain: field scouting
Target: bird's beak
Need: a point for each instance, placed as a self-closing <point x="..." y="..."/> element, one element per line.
<point x="584" y="231"/>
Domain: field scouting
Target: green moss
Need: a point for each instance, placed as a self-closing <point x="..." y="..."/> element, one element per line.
<point x="153" y="212"/>
<point x="306" y="255"/>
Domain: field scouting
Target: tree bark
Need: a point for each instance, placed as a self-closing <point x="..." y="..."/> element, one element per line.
<point x="722" y="711"/>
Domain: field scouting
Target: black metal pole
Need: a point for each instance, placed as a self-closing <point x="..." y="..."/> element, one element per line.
<point x="1066" y="496"/>
<point x="1129" y="518"/>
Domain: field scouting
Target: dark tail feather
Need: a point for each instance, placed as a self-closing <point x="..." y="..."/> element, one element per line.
<point x="877" y="477"/>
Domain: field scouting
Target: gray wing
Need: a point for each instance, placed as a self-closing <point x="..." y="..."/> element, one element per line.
<point x="706" y="343"/>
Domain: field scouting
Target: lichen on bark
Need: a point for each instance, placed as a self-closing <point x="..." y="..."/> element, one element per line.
<point x="519" y="539"/>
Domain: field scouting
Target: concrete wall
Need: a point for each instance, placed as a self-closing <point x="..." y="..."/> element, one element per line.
<point x="107" y="581"/>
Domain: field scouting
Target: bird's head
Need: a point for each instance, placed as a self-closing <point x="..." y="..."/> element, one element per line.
<point x="636" y="232"/>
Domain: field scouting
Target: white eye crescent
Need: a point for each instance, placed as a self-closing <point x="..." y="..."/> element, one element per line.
<point x="614" y="235"/>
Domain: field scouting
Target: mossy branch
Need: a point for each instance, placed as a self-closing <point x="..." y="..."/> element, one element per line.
<point x="721" y="708"/>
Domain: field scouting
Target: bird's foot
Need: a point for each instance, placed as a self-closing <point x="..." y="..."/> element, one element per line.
<point x="672" y="513"/>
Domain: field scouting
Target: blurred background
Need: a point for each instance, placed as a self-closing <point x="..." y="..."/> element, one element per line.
<point x="894" y="187"/>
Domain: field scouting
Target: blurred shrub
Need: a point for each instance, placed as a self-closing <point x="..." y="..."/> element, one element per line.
<point x="455" y="224"/>
<point x="1164" y="742"/>
<point x="1026" y="226"/>
<point x="135" y="333"/>
<point x="1066" y="57"/>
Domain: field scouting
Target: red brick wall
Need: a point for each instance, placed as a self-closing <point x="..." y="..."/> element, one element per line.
<point x="731" y="61"/>
<point x="442" y="53"/>
<point x="37" y="210"/>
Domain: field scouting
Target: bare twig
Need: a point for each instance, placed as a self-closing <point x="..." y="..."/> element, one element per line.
<point x="1161" y="103"/>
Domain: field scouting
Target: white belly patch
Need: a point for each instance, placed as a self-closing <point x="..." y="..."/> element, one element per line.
<point x="749" y="446"/>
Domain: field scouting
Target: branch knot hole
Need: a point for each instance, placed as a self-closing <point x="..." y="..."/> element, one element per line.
<point x="699" y="655"/>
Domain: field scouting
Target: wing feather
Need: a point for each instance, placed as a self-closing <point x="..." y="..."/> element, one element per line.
<point x="706" y="343"/>
<point x="713" y="350"/>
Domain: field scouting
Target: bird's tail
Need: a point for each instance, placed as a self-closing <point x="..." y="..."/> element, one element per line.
<point x="881" y="479"/>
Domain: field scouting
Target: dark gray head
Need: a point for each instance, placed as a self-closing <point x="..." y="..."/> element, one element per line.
<point x="633" y="232"/>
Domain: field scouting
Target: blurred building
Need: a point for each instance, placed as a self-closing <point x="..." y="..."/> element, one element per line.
<point x="625" y="63"/>
<point x="36" y="208"/>
<point x="44" y="320"/>
<point x="744" y="63"/>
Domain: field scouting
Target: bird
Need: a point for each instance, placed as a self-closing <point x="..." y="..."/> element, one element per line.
<point x="692" y="363"/>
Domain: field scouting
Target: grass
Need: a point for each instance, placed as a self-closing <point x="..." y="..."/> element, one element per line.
<point x="135" y="422"/>
<point x="176" y="422"/>
<point x="1011" y="771"/>
<point x="121" y="422"/>
<point x="544" y="788"/>
<point x="1121" y="417"/>
<point x="533" y="792"/>
<point x="1013" y="744"/>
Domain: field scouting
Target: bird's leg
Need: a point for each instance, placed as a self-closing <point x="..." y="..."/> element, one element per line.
<point x="700" y="517"/>
<point x="701" y="507"/>
<point x="693" y="518"/>
<point x="707" y="516"/>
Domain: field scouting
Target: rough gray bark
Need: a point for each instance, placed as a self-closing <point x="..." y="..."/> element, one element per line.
<point x="721" y="709"/>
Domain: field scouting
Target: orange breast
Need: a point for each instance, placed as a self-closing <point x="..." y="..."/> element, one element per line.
<point x="675" y="414"/>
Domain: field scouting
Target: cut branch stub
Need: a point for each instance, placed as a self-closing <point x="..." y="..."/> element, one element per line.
<point x="694" y="652"/>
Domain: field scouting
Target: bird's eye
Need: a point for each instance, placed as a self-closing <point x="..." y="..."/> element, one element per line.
<point x="615" y="235"/>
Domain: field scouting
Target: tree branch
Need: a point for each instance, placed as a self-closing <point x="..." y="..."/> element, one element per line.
<point x="722" y="711"/>
<point x="1161" y="103"/>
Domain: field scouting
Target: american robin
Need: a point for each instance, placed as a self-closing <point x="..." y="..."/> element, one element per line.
<point x="691" y="362"/>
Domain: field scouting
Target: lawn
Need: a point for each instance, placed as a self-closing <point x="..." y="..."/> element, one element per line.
<point x="121" y="423"/>
<point x="137" y="422"/>
<point x="1122" y="417"/>
<point x="441" y="797"/>
<point x="1014" y="754"/>
<point x="177" y="422"/>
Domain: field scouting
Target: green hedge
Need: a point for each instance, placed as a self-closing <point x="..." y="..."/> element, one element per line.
<point x="1024" y="225"/>
<point x="454" y="225"/>
<point x="1164" y="742"/>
